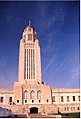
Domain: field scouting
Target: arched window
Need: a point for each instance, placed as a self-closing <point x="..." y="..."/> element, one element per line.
<point x="39" y="94"/>
<point x="32" y="94"/>
<point x="25" y="94"/>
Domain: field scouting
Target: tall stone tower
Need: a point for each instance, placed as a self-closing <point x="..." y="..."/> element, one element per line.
<point x="29" y="89"/>
<point x="29" y="57"/>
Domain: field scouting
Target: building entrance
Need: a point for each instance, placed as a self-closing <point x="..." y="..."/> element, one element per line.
<point x="33" y="110"/>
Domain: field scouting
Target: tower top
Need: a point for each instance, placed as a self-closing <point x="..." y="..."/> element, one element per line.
<point x="29" y="23"/>
<point x="29" y="27"/>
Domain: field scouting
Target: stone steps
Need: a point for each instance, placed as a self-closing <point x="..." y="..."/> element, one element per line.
<point x="43" y="116"/>
<point x="37" y="116"/>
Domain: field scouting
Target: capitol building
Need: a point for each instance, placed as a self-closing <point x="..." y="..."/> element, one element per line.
<point x="29" y="93"/>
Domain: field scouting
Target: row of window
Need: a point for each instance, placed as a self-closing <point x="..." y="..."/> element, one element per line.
<point x="32" y="94"/>
<point x="29" y="64"/>
<point x="68" y="98"/>
<point x="1" y="99"/>
<point x="71" y="108"/>
<point x="29" y="37"/>
<point x="33" y="101"/>
<point x="29" y="45"/>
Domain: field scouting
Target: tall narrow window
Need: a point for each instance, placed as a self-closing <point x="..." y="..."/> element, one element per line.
<point x="33" y="64"/>
<point x="64" y="108"/>
<point x="32" y="94"/>
<point x="24" y="37"/>
<point x="67" y="98"/>
<point x="10" y="99"/>
<point x="25" y="94"/>
<point x="73" y="98"/>
<point x="53" y="99"/>
<point x="78" y="98"/>
<point x="62" y="99"/>
<point x="29" y="37"/>
<point x="39" y="94"/>
<point x="29" y="63"/>
<point x="1" y="99"/>
<point x="25" y="64"/>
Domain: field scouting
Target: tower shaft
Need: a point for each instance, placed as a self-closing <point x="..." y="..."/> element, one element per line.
<point x="29" y="57"/>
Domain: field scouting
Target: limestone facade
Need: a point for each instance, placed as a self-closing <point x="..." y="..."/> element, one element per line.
<point x="21" y="101"/>
<point x="30" y="93"/>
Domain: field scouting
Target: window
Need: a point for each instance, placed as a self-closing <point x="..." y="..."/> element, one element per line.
<point x="73" y="98"/>
<point x="25" y="101"/>
<point x="24" y="37"/>
<point x="53" y="99"/>
<point x="1" y="99"/>
<point x="39" y="94"/>
<point x="67" y="98"/>
<point x="32" y="101"/>
<point x="33" y="65"/>
<point x="78" y="98"/>
<point x="17" y="101"/>
<point x="71" y="108"/>
<point x="30" y="37"/>
<point x="39" y="101"/>
<point x="78" y="108"/>
<point x="32" y="94"/>
<point x="47" y="100"/>
<point x="64" y="108"/>
<point x="10" y="99"/>
<point x="62" y="99"/>
<point x="74" y="108"/>
<point x="25" y="94"/>
<point x="25" y="64"/>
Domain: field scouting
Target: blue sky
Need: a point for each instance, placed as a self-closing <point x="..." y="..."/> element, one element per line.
<point x="57" y="26"/>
